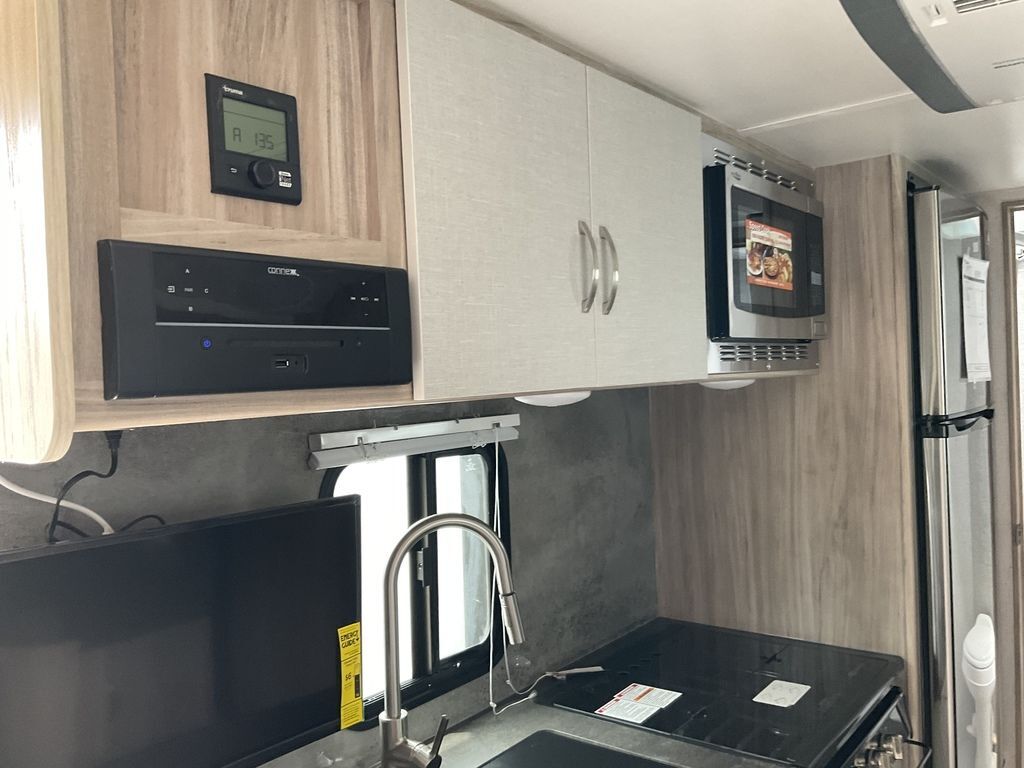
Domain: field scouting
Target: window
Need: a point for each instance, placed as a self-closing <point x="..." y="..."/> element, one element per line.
<point x="444" y="603"/>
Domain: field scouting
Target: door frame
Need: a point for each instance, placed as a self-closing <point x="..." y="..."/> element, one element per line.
<point x="1016" y="476"/>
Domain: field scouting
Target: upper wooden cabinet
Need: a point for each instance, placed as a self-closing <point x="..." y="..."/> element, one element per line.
<point x="104" y="115"/>
<point x="534" y="183"/>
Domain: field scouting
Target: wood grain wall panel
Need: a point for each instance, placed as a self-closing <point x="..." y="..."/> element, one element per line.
<point x="36" y="372"/>
<point x="387" y="128"/>
<point x="155" y="227"/>
<point x="312" y="50"/>
<point x="92" y="160"/>
<point x="788" y="507"/>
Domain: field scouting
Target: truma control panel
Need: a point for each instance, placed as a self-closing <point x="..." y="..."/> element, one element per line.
<point x="180" y="321"/>
<point x="254" y="141"/>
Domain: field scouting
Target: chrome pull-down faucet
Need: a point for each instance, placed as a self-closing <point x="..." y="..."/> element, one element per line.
<point x="397" y="750"/>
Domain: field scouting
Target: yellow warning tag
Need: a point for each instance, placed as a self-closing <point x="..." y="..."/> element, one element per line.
<point x="351" y="648"/>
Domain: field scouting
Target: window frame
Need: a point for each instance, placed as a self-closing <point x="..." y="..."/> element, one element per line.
<point x="432" y="676"/>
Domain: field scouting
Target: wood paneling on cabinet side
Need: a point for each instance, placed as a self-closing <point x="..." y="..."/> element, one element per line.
<point x="93" y="187"/>
<point x="155" y="227"/>
<point x="37" y="409"/>
<point x="316" y="51"/>
<point x="788" y="507"/>
<point x="95" y="414"/>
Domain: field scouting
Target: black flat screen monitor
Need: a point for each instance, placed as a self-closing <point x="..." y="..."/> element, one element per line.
<point x="203" y="645"/>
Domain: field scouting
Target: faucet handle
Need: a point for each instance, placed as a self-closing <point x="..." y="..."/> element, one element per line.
<point x="435" y="747"/>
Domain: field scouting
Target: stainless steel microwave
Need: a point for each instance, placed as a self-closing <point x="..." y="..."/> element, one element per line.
<point x="766" y="281"/>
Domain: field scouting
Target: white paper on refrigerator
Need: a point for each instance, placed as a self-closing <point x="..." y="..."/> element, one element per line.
<point x="974" y="281"/>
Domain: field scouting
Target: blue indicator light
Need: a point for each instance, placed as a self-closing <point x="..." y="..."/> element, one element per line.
<point x="207" y="342"/>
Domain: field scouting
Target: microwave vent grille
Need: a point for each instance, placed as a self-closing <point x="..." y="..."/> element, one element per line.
<point x="738" y="352"/>
<point x="747" y="357"/>
<point x="723" y="157"/>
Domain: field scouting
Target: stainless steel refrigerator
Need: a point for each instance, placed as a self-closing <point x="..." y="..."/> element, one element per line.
<point x="954" y="468"/>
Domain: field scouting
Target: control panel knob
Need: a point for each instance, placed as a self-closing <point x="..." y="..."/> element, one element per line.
<point x="262" y="173"/>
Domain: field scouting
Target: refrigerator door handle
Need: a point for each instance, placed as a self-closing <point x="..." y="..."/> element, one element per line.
<point x="939" y="569"/>
<point x="954" y="424"/>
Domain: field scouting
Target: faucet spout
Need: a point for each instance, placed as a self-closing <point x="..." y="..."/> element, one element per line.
<point x="396" y="748"/>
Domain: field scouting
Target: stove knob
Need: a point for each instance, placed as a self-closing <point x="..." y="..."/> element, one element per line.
<point x="893" y="745"/>
<point x="859" y="762"/>
<point x="880" y="760"/>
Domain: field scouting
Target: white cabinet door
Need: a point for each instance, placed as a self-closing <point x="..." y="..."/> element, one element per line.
<point x="497" y="178"/>
<point x="647" y="196"/>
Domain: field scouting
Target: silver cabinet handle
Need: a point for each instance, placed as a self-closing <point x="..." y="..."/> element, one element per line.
<point x="610" y="296"/>
<point x="590" y="293"/>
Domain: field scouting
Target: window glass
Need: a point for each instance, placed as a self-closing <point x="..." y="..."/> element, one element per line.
<point x="463" y="565"/>
<point x="445" y="607"/>
<point x="384" y="488"/>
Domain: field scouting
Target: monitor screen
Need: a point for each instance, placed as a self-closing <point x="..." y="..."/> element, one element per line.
<point x="206" y="644"/>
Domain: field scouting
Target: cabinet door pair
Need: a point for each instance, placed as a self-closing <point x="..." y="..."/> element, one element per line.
<point x="509" y="146"/>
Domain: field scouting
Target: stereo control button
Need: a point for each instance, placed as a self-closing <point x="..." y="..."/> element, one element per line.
<point x="262" y="173"/>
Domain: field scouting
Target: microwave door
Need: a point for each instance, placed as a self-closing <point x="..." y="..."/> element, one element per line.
<point x="770" y="270"/>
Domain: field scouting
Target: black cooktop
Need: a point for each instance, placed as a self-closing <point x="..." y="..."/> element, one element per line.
<point x="546" y="749"/>
<point x="822" y="692"/>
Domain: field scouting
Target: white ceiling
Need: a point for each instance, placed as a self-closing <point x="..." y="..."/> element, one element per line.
<point x="794" y="74"/>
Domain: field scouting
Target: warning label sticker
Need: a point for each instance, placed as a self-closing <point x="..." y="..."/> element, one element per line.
<point x="629" y="711"/>
<point x="638" y="703"/>
<point x="646" y="694"/>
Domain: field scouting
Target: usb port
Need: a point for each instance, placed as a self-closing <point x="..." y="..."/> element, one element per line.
<point x="282" y="362"/>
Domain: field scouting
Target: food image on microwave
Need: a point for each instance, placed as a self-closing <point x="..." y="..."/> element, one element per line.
<point x="755" y="256"/>
<point x="785" y="269"/>
<point x="769" y="256"/>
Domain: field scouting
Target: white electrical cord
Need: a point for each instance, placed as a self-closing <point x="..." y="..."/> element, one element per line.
<point x="96" y="518"/>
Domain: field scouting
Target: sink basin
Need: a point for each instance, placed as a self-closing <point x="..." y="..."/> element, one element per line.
<point x="546" y="749"/>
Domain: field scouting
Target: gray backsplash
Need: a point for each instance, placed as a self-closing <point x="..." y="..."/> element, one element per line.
<point x="579" y="487"/>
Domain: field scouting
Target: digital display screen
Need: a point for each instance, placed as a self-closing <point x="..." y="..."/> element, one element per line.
<point x="254" y="130"/>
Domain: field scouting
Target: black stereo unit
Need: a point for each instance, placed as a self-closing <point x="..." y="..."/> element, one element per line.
<point x="181" y="321"/>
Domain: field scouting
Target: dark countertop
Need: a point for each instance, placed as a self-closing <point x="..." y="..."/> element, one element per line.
<point x="478" y="740"/>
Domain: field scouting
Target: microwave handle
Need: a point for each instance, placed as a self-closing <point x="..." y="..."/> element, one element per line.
<point x="590" y="293"/>
<point x="606" y="240"/>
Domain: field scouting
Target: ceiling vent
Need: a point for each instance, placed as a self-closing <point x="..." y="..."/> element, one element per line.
<point x="966" y="6"/>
